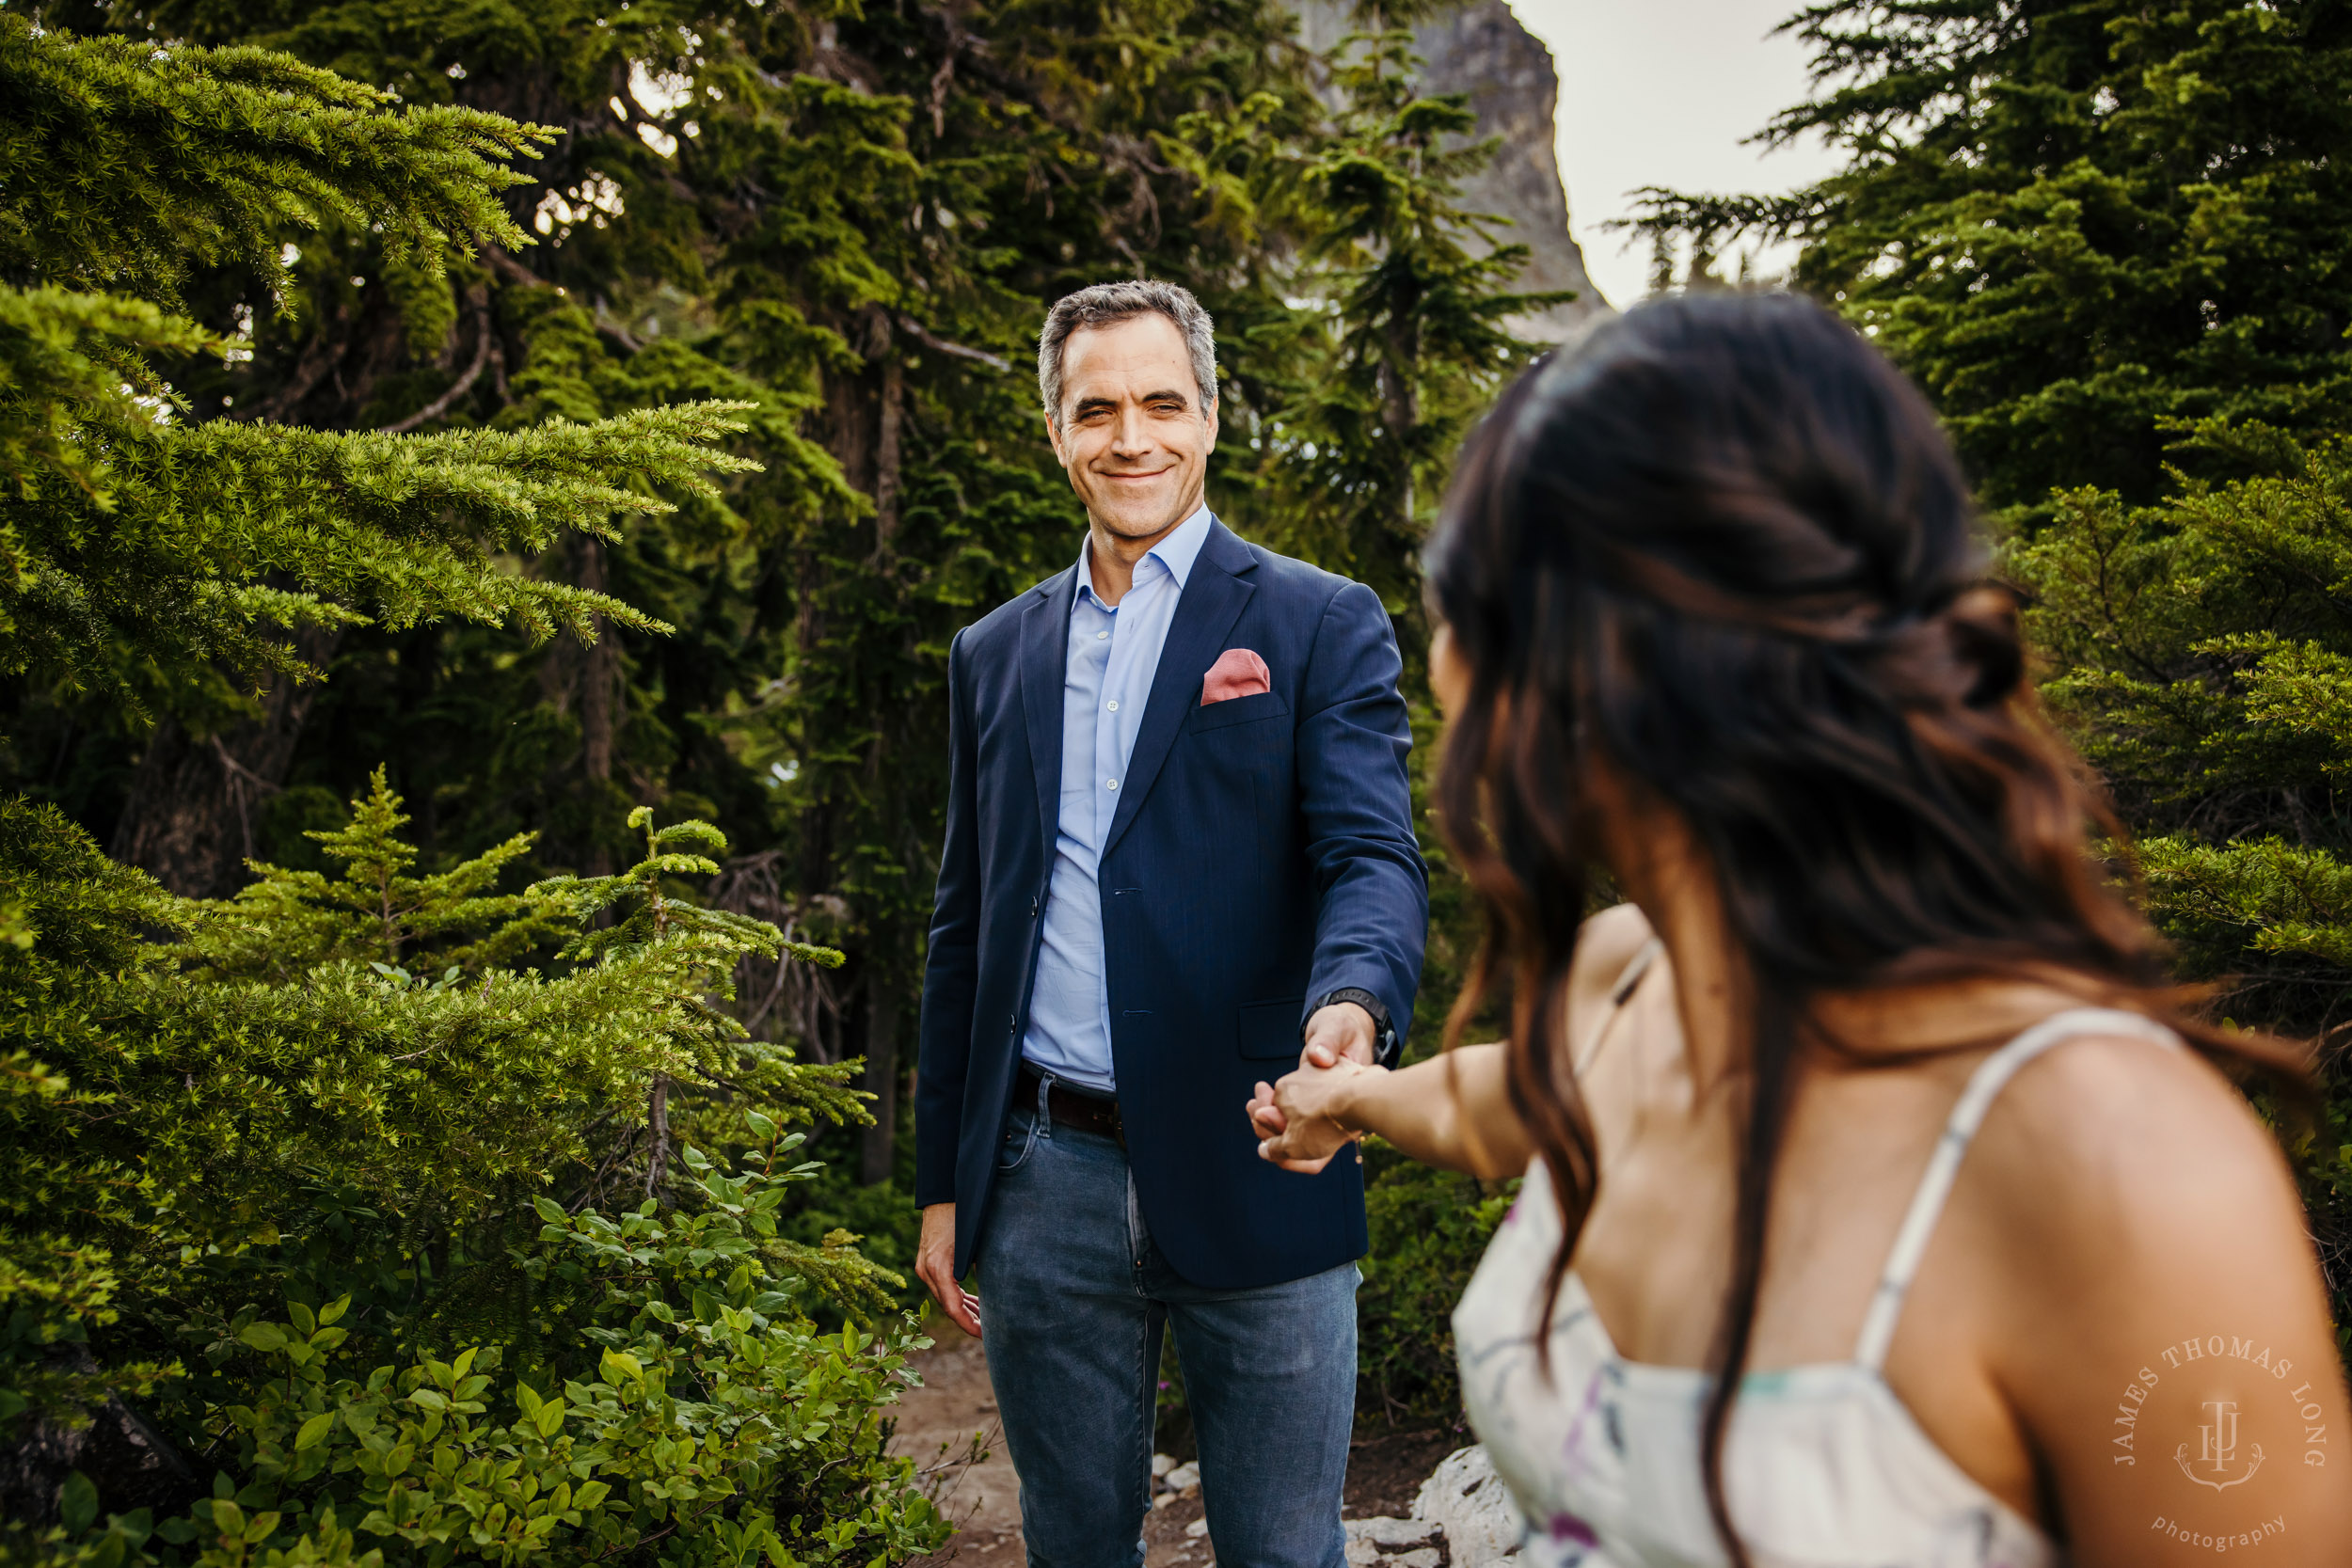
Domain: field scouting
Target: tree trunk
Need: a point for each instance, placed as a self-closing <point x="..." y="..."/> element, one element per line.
<point x="600" y="722"/>
<point x="878" y="1147"/>
<point x="1401" y="403"/>
<point x="192" y="816"/>
<point x="886" y="456"/>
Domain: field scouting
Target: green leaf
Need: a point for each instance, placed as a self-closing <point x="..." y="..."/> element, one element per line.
<point x="334" y="1309"/>
<point x="551" y="1211"/>
<point x="266" y="1337"/>
<point x="314" y="1431"/>
<point x="620" y="1364"/>
<point x="77" y="1502"/>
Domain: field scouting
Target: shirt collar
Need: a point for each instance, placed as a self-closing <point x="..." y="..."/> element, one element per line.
<point x="1176" y="553"/>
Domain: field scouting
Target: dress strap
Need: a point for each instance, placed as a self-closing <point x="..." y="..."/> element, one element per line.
<point x="1936" y="1185"/>
<point x="1634" y="969"/>
<point x="1619" y="994"/>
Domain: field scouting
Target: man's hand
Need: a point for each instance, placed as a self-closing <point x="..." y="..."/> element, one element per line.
<point x="1343" y="1030"/>
<point x="1299" y="1121"/>
<point x="935" y="1266"/>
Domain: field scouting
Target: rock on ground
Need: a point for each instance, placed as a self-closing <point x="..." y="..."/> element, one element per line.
<point x="1470" y="1502"/>
<point x="1394" y="1544"/>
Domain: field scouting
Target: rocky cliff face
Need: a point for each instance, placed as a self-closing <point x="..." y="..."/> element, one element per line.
<point x="1481" y="49"/>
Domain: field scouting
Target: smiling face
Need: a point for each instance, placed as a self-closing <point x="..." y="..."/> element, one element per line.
<point x="1132" y="434"/>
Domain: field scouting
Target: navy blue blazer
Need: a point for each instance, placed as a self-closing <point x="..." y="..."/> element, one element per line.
<point x="1261" y="855"/>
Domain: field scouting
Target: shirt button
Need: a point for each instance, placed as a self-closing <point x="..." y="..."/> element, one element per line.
<point x="1111" y="783"/>
<point x="1101" y="636"/>
<point x="1114" y="707"/>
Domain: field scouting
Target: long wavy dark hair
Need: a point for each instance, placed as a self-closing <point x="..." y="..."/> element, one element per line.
<point x="1725" y="545"/>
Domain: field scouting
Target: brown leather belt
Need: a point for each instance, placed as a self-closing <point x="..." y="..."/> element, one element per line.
<point x="1086" y="1112"/>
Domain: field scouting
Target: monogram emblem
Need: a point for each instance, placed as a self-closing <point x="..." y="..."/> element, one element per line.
<point x="2216" y="1449"/>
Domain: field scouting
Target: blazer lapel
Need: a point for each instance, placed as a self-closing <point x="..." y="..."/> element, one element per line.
<point x="1044" y="670"/>
<point x="1211" y="603"/>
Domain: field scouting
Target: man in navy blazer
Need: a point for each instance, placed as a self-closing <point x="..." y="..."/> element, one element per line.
<point x="1179" y="851"/>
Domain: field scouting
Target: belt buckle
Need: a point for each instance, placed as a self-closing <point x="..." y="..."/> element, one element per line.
<point x="1092" y="1113"/>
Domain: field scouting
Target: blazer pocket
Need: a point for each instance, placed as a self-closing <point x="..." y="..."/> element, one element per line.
<point x="1239" y="710"/>
<point x="1270" y="1030"/>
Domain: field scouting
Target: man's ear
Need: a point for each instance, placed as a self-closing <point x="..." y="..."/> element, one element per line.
<point x="1211" y="419"/>
<point x="1052" y="438"/>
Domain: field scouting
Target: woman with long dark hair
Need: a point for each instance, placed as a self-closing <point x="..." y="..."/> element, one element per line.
<point x="1885" y="1203"/>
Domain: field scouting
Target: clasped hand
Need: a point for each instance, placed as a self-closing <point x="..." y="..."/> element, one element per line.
<point x="1300" y="1120"/>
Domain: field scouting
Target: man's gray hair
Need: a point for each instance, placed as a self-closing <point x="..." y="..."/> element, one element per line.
<point x="1107" y="304"/>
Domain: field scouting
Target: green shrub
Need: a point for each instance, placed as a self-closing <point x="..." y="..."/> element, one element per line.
<point x="1429" y="1228"/>
<point x="304" y="1231"/>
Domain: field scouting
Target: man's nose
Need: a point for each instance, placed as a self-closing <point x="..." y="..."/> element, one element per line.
<point x="1132" y="435"/>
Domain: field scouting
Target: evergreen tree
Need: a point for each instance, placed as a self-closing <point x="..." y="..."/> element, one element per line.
<point x="218" y="1145"/>
<point x="1409" y="343"/>
<point x="2076" y="221"/>
<point x="134" y="541"/>
<point x="2200" y="652"/>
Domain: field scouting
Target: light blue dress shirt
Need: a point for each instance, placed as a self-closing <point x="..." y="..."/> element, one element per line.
<point x="1114" y="653"/>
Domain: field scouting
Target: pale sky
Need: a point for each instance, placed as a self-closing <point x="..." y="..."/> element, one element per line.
<point x="1663" y="92"/>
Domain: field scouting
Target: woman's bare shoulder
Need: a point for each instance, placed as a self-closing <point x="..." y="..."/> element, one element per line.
<point x="2113" y="1162"/>
<point x="2130" y="1120"/>
<point x="1604" y="946"/>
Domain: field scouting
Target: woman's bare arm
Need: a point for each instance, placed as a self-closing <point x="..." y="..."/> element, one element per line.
<point x="1452" y="1111"/>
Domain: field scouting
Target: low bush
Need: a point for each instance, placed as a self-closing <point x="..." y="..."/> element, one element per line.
<point x="1429" y="1228"/>
<point x="313" y="1260"/>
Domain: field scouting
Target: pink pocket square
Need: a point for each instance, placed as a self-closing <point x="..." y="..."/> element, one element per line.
<point x="1237" y="673"/>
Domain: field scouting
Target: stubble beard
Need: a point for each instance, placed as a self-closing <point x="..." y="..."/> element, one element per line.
<point x="1119" y="525"/>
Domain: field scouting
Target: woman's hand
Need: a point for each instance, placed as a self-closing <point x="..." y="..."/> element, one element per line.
<point x="1300" y="1121"/>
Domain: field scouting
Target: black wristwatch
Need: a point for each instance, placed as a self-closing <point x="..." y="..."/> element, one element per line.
<point x="1383" y="1029"/>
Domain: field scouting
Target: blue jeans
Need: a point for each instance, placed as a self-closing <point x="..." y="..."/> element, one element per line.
<point x="1074" y="1300"/>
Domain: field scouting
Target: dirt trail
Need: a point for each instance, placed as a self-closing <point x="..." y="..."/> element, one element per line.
<point x="937" y="1425"/>
<point x="939" y="1422"/>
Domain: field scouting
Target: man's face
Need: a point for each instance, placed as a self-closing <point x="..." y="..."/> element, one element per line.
<point x="1132" y="434"/>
